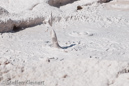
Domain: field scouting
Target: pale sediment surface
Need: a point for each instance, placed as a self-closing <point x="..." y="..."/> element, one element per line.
<point x="94" y="40"/>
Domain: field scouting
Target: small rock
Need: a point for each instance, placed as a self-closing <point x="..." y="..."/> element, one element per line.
<point x="65" y="76"/>
<point x="79" y="7"/>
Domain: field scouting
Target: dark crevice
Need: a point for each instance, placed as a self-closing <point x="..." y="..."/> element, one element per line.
<point x="108" y="1"/>
<point x="58" y="3"/>
<point x="17" y="29"/>
<point x="104" y="1"/>
<point x="22" y="27"/>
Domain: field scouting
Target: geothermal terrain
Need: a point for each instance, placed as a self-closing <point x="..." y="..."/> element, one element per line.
<point x="93" y="36"/>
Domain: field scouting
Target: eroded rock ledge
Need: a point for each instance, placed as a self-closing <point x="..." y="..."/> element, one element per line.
<point x="9" y="21"/>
